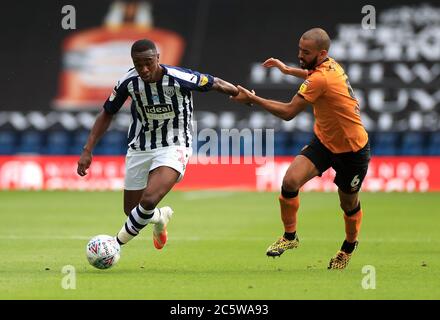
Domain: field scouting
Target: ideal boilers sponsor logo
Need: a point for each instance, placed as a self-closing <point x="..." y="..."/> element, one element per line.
<point x="159" y="111"/>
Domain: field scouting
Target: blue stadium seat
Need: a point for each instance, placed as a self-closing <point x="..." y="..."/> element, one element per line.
<point x="434" y="144"/>
<point x="112" y="143"/>
<point x="412" y="144"/>
<point x="299" y="141"/>
<point x="8" y="142"/>
<point x="58" y="142"/>
<point x="79" y="140"/>
<point x="32" y="141"/>
<point x="282" y="143"/>
<point x="385" y="143"/>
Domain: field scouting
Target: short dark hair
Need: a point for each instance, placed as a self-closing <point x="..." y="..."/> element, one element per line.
<point x="320" y="37"/>
<point x="143" y="45"/>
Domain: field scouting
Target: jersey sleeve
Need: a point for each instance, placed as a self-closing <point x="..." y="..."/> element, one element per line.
<point x="192" y="80"/>
<point x="117" y="98"/>
<point x="313" y="87"/>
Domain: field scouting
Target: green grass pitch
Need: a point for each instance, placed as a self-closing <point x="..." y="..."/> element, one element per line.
<point x="216" y="248"/>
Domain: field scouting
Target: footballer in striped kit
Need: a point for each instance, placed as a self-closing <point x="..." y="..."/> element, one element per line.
<point x="159" y="136"/>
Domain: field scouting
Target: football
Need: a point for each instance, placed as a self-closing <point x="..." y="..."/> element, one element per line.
<point x="103" y="251"/>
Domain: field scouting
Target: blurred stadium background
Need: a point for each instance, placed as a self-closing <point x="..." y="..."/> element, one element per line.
<point x="54" y="82"/>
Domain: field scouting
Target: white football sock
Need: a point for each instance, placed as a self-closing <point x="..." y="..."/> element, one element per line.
<point x="136" y="221"/>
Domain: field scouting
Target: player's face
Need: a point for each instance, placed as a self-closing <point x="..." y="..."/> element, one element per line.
<point x="146" y="64"/>
<point x="308" y="54"/>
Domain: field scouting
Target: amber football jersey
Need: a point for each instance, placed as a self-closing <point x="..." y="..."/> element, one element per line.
<point x="337" y="116"/>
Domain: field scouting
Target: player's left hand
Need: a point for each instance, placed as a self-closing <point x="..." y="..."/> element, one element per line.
<point x="84" y="163"/>
<point x="244" y="95"/>
<point x="272" y="62"/>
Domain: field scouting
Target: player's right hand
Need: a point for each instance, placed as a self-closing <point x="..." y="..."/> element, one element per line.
<point x="272" y="62"/>
<point x="84" y="163"/>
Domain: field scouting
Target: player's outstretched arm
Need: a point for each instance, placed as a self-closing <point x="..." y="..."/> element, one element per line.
<point x="223" y="86"/>
<point x="285" y="111"/>
<point x="101" y="125"/>
<point x="275" y="63"/>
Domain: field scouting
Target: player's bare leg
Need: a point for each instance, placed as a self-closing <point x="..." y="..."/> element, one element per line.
<point x="131" y="199"/>
<point x="299" y="172"/>
<point x="160" y="182"/>
<point x="350" y="204"/>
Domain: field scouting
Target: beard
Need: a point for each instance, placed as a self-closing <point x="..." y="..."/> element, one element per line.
<point x="309" y="65"/>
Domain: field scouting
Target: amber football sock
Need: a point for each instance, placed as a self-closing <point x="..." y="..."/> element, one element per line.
<point x="353" y="221"/>
<point x="289" y="208"/>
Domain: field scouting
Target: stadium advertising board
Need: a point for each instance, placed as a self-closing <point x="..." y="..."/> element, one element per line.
<point x="407" y="174"/>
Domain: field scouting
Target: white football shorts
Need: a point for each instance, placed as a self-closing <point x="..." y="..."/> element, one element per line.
<point x="138" y="164"/>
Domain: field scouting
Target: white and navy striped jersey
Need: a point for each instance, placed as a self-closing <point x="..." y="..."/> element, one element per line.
<point x="161" y="111"/>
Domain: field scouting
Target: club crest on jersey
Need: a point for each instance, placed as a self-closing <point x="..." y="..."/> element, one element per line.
<point x="170" y="91"/>
<point x="112" y="95"/>
<point x="303" y="86"/>
<point x="203" y="80"/>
